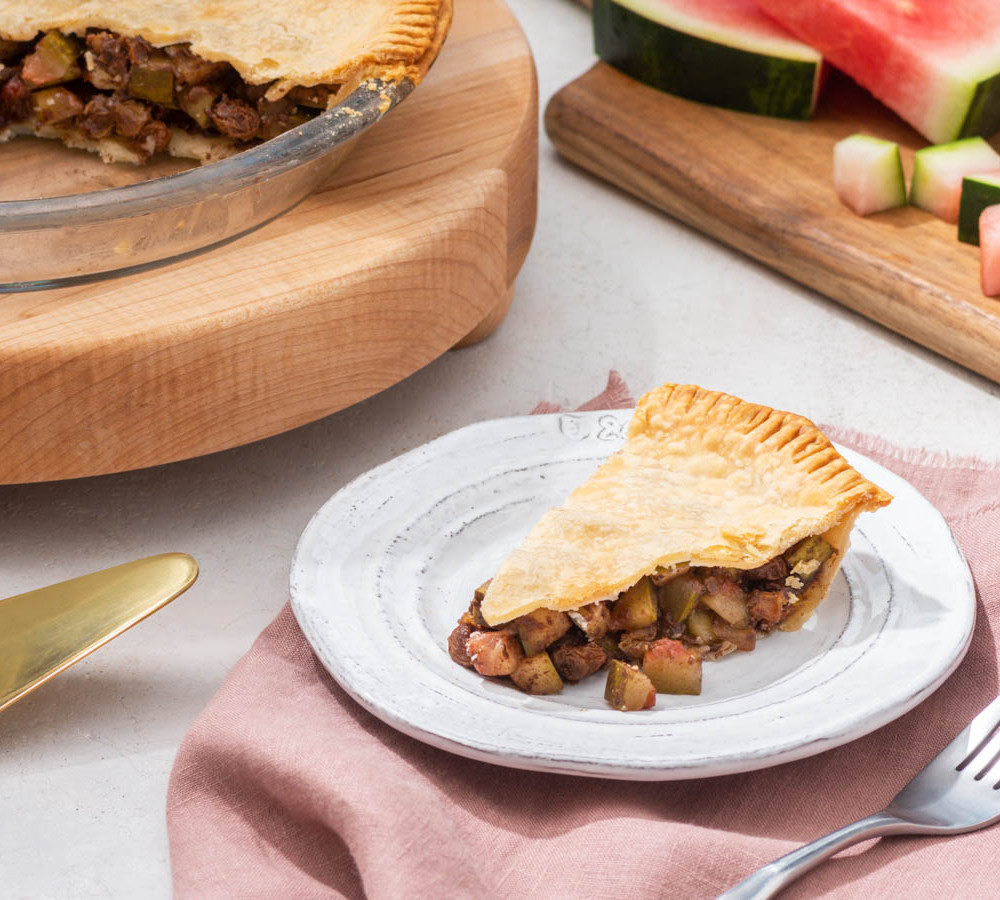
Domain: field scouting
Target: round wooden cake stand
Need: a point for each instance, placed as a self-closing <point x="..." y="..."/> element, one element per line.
<point x="409" y="250"/>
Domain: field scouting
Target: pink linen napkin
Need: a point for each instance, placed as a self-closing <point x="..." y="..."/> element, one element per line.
<point x="284" y="787"/>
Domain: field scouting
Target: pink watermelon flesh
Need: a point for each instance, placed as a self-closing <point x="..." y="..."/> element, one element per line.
<point x="989" y="250"/>
<point x="740" y="15"/>
<point x="934" y="62"/>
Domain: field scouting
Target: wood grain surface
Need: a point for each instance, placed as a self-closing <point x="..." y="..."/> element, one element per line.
<point x="765" y="187"/>
<point x="410" y="249"/>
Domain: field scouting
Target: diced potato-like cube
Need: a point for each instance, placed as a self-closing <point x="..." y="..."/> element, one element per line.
<point x="540" y="628"/>
<point x="55" y="105"/>
<point x="494" y="652"/>
<point x="728" y="600"/>
<point x="802" y="558"/>
<point x="480" y="593"/>
<point x="672" y="667"/>
<point x="699" y="625"/>
<point x="153" y="83"/>
<point x="679" y="596"/>
<point x="537" y="675"/>
<point x="53" y="61"/>
<point x="627" y="688"/>
<point x="635" y="608"/>
<point x="197" y="102"/>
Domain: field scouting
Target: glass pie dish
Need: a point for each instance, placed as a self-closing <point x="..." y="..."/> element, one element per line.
<point x="67" y="218"/>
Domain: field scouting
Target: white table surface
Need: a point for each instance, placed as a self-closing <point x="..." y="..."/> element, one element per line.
<point x="609" y="283"/>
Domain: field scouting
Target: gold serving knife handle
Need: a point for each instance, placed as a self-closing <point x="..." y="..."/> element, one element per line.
<point x="45" y="631"/>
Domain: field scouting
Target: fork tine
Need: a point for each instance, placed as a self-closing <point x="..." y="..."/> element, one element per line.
<point x="986" y="758"/>
<point x="976" y="736"/>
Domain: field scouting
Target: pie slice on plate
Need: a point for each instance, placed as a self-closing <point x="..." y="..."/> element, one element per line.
<point x="717" y="522"/>
<point x="131" y="78"/>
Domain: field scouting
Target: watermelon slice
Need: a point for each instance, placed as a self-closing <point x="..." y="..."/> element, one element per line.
<point x="868" y="174"/>
<point x="978" y="192"/>
<point x="938" y="172"/>
<point x="935" y="62"/>
<point x="723" y="52"/>
<point x="989" y="250"/>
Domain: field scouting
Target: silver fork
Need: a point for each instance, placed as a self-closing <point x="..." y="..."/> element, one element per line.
<point x="953" y="793"/>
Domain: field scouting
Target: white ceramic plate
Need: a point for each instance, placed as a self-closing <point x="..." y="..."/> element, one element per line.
<point x="389" y="563"/>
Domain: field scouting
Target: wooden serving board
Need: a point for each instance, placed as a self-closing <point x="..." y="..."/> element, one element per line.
<point x="410" y="249"/>
<point x="765" y="186"/>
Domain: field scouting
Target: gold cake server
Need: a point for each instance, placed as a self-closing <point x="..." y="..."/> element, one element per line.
<point x="45" y="631"/>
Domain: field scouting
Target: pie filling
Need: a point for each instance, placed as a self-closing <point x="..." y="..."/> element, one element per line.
<point x="653" y="637"/>
<point x="103" y="86"/>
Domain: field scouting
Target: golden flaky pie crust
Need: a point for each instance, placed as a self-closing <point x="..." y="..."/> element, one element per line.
<point x="291" y="42"/>
<point x="703" y="478"/>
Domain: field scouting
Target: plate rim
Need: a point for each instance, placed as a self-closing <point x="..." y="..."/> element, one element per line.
<point x="749" y="761"/>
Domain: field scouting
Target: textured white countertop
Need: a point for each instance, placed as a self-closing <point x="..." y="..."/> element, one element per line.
<point x="609" y="283"/>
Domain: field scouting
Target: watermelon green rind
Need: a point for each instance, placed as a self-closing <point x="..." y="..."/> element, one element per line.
<point x="938" y="171"/>
<point x="984" y="111"/>
<point x="935" y="63"/>
<point x="772" y="76"/>
<point x="868" y="174"/>
<point x="978" y="192"/>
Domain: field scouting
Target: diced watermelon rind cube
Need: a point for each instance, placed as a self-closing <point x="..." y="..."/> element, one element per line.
<point x="938" y="171"/>
<point x="868" y="174"/>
